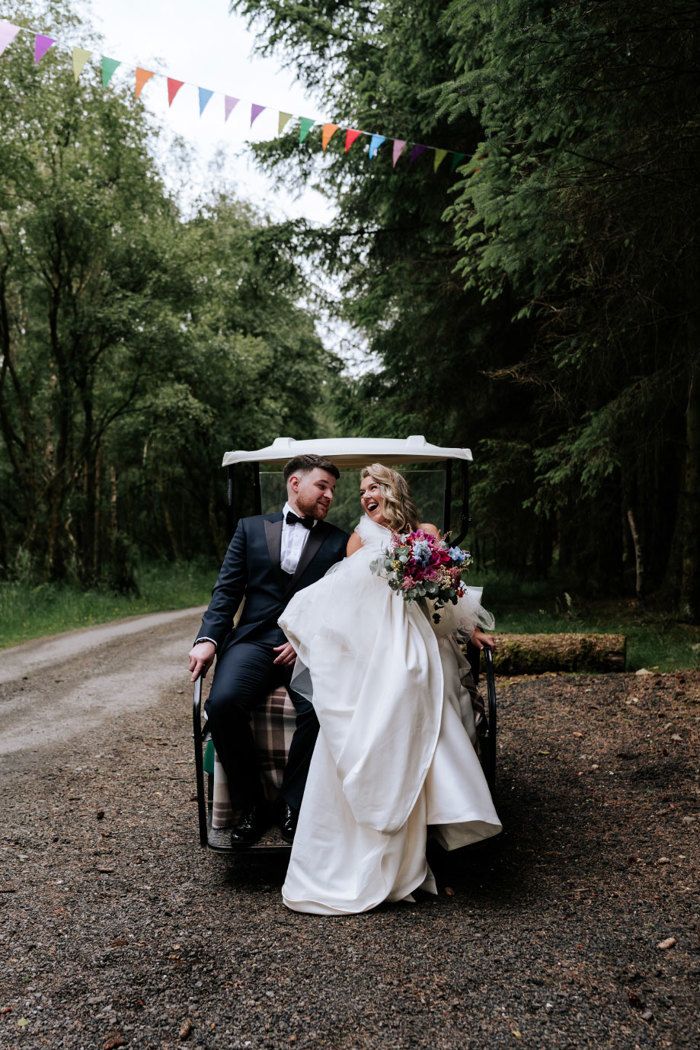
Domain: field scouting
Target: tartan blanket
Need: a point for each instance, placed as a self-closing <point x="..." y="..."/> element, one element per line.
<point x="273" y="724"/>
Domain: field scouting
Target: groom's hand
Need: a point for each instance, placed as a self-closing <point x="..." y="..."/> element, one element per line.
<point x="201" y="658"/>
<point x="286" y="655"/>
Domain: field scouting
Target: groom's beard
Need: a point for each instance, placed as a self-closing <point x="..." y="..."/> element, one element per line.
<point x="314" y="508"/>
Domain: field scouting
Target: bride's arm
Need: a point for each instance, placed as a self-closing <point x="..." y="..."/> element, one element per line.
<point x="427" y="527"/>
<point x="354" y="544"/>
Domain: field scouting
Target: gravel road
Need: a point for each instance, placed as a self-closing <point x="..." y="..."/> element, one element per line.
<point x="573" y="929"/>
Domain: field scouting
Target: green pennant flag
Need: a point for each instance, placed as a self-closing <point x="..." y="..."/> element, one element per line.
<point x="457" y="158"/>
<point x="109" y="65"/>
<point x="305" y="127"/>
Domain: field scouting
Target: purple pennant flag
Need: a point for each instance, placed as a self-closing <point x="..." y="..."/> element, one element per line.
<point x="41" y="46"/>
<point x="399" y="147"/>
<point x="230" y="104"/>
<point x="255" y="112"/>
<point x="417" y="150"/>
<point x="8" y="32"/>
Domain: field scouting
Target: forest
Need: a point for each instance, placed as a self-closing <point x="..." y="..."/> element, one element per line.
<point x="536" y="301"/>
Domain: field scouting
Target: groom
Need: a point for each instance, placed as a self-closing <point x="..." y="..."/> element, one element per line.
<point x="270" y="557"/>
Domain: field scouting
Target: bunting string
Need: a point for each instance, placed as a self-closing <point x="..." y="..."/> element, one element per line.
<point x="81" y="57"/>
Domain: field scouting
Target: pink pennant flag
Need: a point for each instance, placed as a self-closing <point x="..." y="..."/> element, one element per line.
<point x="416" y="152"/>
<point x="173" y="88"/>
<point x="350" y="137"/>
<point x="230" y="104"/>
<point x="41" y="46"/>
<point x="255" y="112"/>
<point x="399" y="147"/>
<point x="142" y="77"/>
<point x="8" y="32"/>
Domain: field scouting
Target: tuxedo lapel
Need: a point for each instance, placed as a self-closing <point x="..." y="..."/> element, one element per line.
<point x="273" y="536"/>
<point x="316" y="538"/>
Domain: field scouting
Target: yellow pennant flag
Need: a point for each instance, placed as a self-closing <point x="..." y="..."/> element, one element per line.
<point x="80" y="57"/>
<point x="328" y="132"/>
<point x="440" y="155"/>
<point x="282" y="121"/>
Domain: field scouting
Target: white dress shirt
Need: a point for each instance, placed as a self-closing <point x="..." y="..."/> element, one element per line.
<point x="294" y="539"/>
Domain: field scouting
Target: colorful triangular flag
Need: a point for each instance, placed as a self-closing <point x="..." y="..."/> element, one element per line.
<point x="327" y="134"/>
<point x="416" y="152"/>
<point x="142" y="77"/>
<point x="350" y="137"/>
<point x="109" y="65"/>
<point x="375" y="143"/>
<point x="457" y="157"/>
<point x="80" y="57"/>
<point x="204" y="95"/>
<point x="230" y="104"/>
<point x="440" y="155"/>
<point x="282" y="121"/>
<point x="173" y="88"/>
<point x="398" y="148"/>
<point x="8" y="32"/>
<point x="255" y="112"/>
<point x="41" y="46"/>
<point x="305" y="127"/>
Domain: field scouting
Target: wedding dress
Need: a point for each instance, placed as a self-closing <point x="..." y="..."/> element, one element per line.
<point x="393" y="756"/>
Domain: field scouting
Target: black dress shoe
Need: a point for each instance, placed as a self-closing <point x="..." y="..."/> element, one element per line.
<point x="288" y="822"/>
<point x="251" y="826"/>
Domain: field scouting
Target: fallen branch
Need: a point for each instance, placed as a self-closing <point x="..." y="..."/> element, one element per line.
<point x="535" y="653"/>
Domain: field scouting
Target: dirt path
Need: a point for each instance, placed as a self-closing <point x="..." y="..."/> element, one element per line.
<point x="116" y="929"/>
<point x="55" y="688"/>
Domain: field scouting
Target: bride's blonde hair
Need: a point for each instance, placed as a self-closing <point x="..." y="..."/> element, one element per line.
<point x="399" y="509"/>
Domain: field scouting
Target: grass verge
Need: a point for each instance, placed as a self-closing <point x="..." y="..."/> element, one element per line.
<point x="654" y="639"/>
<point x="31" y="612"/>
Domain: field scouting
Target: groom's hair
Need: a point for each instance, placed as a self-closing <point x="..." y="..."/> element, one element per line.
<point x="303" y="464"/>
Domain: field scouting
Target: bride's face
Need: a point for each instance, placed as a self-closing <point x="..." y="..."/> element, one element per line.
<point x="372" y="500"/>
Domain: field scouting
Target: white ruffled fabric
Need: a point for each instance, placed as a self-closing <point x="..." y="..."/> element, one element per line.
<point x="393" y="755"/>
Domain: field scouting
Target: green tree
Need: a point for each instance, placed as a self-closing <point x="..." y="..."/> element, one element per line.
<point x="137" y="344"/>
<point x="585" y="208"/>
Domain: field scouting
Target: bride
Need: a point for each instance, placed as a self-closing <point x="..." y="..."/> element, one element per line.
<point x="395" y="754"/>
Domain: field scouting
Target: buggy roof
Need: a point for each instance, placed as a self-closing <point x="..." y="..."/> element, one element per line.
<point x="350" y="452"/>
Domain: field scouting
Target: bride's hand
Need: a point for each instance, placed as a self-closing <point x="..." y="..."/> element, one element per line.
<point x="479" y="639"/>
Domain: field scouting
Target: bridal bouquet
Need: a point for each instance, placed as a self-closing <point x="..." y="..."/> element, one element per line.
<point x="421" y="566"/>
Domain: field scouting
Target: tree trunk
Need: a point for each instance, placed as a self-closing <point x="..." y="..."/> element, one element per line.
<point x="638" y="556"/>
<point x="689" y="516"/>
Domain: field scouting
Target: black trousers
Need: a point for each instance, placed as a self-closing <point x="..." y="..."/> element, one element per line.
<point x="245" y="674"/>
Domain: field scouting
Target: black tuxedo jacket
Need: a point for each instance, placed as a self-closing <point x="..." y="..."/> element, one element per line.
<point x="251" y="569"/>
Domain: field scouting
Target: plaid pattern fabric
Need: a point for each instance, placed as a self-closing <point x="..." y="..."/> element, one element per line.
<point x="273" y="726"/>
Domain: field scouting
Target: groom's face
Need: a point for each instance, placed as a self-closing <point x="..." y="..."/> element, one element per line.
<point x="312" y="493"/>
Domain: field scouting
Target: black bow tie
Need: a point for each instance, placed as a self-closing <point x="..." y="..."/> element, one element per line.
<point x="294" y="519"/>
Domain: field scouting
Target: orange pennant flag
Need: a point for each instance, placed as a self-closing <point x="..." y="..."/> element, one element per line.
<point x="173" y="88"/>
<point x="350" y="137"/>
<point x="328" y="132"/>
<point x="142" y="76"/>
